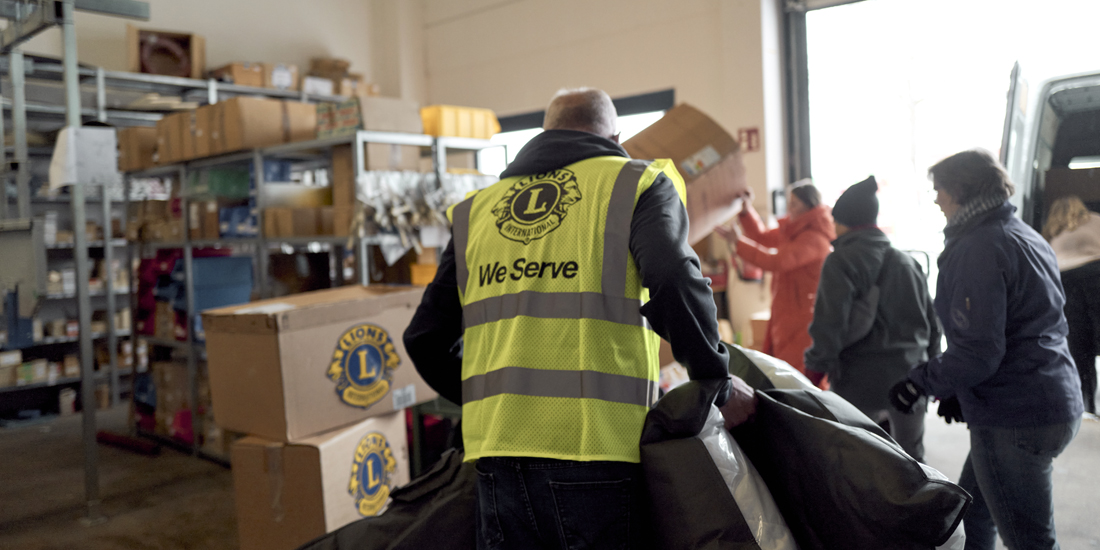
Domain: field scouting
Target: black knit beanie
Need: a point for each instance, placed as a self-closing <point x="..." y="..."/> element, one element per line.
<point x="858" y="205"/>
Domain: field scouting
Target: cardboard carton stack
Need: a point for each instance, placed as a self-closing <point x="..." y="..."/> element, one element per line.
<point x="233" y="125"/>
<point x="708" y="158"/>
<point x="320" y="381"/>
<point x="279" y="76"/>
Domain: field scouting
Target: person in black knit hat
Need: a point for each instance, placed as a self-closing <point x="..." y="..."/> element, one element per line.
<point x="873" y="317"/>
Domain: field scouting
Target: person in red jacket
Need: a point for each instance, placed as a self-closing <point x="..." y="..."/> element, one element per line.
<point x="794" y="252"/>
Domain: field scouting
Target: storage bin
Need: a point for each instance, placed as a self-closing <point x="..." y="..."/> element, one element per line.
<point x="470" y="122"/>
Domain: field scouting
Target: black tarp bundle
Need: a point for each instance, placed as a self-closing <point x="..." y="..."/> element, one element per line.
<point x="437" y="510"/>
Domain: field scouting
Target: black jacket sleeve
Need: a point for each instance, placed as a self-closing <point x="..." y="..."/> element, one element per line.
<point x="681" y="305"/>
<point x="434" y="337"/>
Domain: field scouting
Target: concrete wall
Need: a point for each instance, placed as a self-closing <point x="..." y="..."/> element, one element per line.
<point x="722" y="56"/>
<point x="278" y="31"/>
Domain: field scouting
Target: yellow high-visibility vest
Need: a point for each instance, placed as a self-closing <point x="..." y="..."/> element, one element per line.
<point x="558" y="361"/>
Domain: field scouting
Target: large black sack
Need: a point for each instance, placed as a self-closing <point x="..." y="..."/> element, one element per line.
<point x="691" y="505"/>
<point x="437" y="510"/>
<point x="840" y="481"/>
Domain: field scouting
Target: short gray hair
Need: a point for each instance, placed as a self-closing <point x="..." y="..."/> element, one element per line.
<point x="585" y="109"/>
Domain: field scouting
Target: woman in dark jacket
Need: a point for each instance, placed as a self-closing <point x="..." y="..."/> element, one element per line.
<point x="1007" y="370"/>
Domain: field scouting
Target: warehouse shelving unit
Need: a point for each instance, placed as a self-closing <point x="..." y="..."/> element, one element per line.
<point x="260" y="246"/>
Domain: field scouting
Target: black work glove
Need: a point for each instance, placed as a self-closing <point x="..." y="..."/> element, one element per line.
<point x="950" y="409"/>
<point x="904" y="396"/>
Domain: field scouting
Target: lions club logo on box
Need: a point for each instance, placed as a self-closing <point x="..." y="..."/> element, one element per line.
<point x="371" y="474"/>
<point x="536" y="205"/>
<point x="362" y="365"/>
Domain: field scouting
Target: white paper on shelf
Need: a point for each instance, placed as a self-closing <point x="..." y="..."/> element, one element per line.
<point x="88" y="156"/>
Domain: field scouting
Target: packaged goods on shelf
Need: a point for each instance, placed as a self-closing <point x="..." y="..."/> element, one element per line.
<point x="322" y="482"/>
<point x="173" y="394"/>
<point x="278" y="222"/>
<point x="296" y="195"/>
<point x="470" y="122"/>
<point x="241" y="73"/>
<point x="137" y="148"/>
<point x="249" y="122"/>
<point x="32" y="372"/>
<point x="170" y="53"/>
<point x="70" y="366"/>
<point x="317" y="361"/>
<point x="66" y="402"/>
<point x="317" y="85"/>
<point x="280" y="76"/>
<point x="383" y="114"/>
<point x="329" y="67"/>
<point x="11" y="358"/>
<point x="706" y="156"/>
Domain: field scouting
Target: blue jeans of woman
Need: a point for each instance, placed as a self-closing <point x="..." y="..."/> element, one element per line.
<point x="536" y="503"/>
<point x="1008" y="473"/>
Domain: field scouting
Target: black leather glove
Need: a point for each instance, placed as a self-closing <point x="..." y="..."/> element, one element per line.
<point x="904" y="396"/>
<point x="950" y="409"/>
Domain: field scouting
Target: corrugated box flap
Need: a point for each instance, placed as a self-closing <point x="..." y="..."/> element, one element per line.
<point x="693" y="141"/>
<point x="311" y="308"/>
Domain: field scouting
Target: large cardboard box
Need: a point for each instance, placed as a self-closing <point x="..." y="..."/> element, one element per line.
<point x="137" y="147"/>
<point x="382" y="114"/>
<point x="290" y="493"/>
<point x="249" y="122"/>
<point x="280" y="76"/>
<point x="169" y="53"/>
<point x="448" y="120"/>
<point x="299" y="365"/>
<point x="241" y="74"/>
<point x="708" y="158"/>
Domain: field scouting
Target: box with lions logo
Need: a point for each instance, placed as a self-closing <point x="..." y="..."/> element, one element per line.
<point x="299" y="365"/>
<point x="290" y="493"/>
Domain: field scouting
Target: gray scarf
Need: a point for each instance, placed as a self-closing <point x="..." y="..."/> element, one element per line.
<point x="977" y="206"/>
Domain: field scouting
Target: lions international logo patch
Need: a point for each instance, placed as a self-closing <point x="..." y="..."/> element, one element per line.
<point x="536" y="205"/>
<point x="372" y="472"/>
<point x="362" y="365"/>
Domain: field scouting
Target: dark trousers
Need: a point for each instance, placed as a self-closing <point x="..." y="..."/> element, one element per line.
<point x="536" y="503"/>
<point x="1082" y="286"/>
<point x="1008" y="473"/>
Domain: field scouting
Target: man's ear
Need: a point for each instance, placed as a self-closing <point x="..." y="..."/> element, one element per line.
<point x="615" y="137"/>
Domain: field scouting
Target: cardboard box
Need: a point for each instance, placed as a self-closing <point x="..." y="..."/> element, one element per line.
<point x="278" y="222"/>
<point x="241" y="73"/>
<point x="448" y="120"/>
<point x="280" y="76"/>
<point x="299" y="365"/>
<point x="343" y="176"/>
<point x="185" y="56"/>
<point x="317" y="85"/>
<point x="383" y="114"/>
<point x="299" y="121"/>
<point x="203" y="120"/>
<point x="326" y="220"/>
<point x="250" y="122"/>
<point x="305" y="222"/>
<point x="706" y="156"/>
<point x="11" y="358"/>
<point x="290" y="493"/>
<point x="168" y="139"/>
<point x="8" y="375"/>
<point x="137" y="148"/>
<point x="296" y="195"/>
<point x="342" y="218"/>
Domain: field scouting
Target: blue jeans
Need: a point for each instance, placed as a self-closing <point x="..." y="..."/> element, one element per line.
<point x="1008" y="473"/>
<point x="530" y="503"/>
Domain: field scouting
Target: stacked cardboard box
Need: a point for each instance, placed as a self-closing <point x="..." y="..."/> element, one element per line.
<point x="137" y="148"/>
<point x="233" y="125"/>
<point x="708" y="158"/>
<point x="320" y="381"/>
<point x="448" y="120"/>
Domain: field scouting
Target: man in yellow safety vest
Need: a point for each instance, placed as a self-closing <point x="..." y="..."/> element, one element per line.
<point x="544" y="322"/>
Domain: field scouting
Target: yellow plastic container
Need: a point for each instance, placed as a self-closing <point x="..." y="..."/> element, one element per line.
<point x="448" y="120"/>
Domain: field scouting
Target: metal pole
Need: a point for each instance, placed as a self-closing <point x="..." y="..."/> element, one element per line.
<point x="3" y="168"/>
<point x="362" y="250"/>
<point x="80" y="254"/>
<point x="211" y="91"/>
<point x="100" y="95"/>
<point x="109" y="287"/>
<point x="262" y="261"/>
<point x="127" y="185"/>
<point x="19" y="126"/>
<point x="189" y="286"/>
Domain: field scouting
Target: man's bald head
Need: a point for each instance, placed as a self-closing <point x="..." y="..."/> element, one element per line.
<point x="584" y="109"/>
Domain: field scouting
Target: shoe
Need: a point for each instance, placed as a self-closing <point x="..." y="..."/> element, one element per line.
<point x="1089" y="417"/>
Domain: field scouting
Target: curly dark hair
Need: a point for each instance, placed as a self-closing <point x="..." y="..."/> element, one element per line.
<point x="971" y="174"/>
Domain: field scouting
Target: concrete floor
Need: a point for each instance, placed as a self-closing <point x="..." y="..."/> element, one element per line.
<point x="174" y="501"/>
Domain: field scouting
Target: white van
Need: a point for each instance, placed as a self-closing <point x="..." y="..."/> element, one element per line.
<point x="1051" y="141"/>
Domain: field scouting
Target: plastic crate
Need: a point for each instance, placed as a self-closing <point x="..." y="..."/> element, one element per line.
<point x="470" y="122"/>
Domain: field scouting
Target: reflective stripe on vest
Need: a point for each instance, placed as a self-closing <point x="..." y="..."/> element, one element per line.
<point x="557" y="383"/>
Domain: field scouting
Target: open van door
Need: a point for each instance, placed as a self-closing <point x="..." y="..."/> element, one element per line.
<point x="1014" y="142"/>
